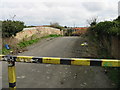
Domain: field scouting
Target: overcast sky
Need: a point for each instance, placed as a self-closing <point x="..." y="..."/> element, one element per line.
<point x="65" y="12"/>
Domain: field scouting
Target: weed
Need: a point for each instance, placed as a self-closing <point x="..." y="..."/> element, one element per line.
<point x="103" y="52"/>
<point x="6" y="51"/>
<point x="27" y="43"/>
<point x="113" y="74"/>
<point x="24" y="43"/>
<point x="30" y="42"/>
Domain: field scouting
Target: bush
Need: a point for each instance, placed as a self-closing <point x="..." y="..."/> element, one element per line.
<point x="107" y="28"/>
<point x="10" y="27"/>
<point x="101" y="33"/>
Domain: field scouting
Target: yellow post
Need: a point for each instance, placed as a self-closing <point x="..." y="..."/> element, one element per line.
<point x="11" y="75"/>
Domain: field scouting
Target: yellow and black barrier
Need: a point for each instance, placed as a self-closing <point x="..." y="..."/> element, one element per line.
<point x="12" y="75"/>
<point x="65" y="61"/>
<point x="52" y="60"/>
<point x="11" y="71"/>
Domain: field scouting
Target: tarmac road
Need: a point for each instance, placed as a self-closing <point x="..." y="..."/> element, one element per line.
<point x="58" y="76"/>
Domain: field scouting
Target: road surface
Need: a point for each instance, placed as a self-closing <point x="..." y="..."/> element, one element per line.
<point x="58" y="76"/>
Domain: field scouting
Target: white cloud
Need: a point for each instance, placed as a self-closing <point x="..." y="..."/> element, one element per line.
<point x="94" y="6"/>
<point x="66" y="12"/>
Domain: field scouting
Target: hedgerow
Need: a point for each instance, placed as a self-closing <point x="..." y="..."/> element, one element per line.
<point x="106" y="28"/>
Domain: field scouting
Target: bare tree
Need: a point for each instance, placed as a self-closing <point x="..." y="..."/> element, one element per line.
<point x="12" y="17"/>
<point x="93" y="21"/>
<point x="56" y="25"/>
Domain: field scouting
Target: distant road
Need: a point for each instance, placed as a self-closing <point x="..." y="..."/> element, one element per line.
<point x="58" y="76"/>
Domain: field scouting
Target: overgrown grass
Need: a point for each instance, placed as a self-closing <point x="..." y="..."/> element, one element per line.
<point x="5" y="51"/>
<point x="112" y="73"/>
<point x="51" y="35"/>
<point x="104" y="53"/>
<point x="27" y="43"/>
<point x="24" y="44"/>
<point x="54" y="35"/>
<point x="30" y="42"/>
<point x="0" y="51"/>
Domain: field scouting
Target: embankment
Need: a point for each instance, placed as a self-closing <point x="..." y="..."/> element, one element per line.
<point x="31" y="33"/>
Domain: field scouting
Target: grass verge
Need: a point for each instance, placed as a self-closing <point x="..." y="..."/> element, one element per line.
<point x="30" y="42"/>
<point x="112" y="73"/>
<point x="24" y="44"/>
<point x="27" y="43"/>
<point x="5" y="51"/>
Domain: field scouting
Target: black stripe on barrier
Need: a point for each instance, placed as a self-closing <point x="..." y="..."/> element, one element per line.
<point x="37" y="60"/>
<point x="12" y="85"/>
<point x="14" y="58"/>
<point x="65" y="61"/>
<point x="95" y="63"/>
<point x="2" y="56"/>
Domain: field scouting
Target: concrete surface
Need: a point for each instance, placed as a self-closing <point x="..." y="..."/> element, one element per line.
<point x="58" y="76"/>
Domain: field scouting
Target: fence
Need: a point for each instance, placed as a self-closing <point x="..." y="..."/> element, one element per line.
<point x="52" y="60"/>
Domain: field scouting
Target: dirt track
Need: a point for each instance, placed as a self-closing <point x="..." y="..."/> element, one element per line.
<point x="58" y="76"/>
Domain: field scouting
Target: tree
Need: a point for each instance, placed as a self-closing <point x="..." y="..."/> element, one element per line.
<point x="118" y="19"/>
<point x="93" y="21"/>
<point x="106" y="28"/>
<point x="65" y="26"/>
<point x="10" y="27"/>
<point x="56" y="25"/>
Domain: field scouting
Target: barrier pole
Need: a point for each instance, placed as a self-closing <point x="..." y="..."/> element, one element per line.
<point x="12" y="75"/>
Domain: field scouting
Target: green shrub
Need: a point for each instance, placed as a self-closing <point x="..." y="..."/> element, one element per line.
<point x="10" y="27"/>
<point x="102" y="32"/>
<point x="107" y="28"/>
